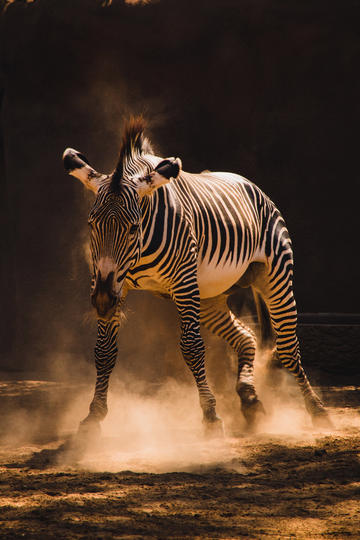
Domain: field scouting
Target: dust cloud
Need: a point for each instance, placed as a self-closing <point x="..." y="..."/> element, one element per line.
<point x="154" y="422"/>
<point x="157" y="427"/>
<point x="157" y="432"/>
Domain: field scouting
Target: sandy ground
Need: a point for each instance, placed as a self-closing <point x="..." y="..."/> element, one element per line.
<point x="155" y="476"/>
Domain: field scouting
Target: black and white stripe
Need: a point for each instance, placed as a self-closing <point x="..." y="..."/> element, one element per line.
<point x="194" y="238"/>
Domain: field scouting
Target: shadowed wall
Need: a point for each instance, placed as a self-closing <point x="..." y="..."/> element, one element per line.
<point x="265" y="88"/>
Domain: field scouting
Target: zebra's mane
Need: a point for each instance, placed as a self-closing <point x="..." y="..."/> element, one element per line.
<point x="133" y="144"/>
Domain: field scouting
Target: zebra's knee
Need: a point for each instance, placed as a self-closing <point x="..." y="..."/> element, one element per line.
<point x="247" y="346"/>
<point x="192" y="345"/>
<point x="287" y="347"/>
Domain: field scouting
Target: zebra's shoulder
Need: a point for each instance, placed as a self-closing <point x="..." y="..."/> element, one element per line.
<point x="223" y="176"/>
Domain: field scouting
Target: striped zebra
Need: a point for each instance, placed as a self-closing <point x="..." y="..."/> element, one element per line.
<point x="194" y="238"/>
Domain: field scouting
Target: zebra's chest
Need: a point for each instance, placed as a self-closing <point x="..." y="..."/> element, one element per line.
<point x="147" y="280"/>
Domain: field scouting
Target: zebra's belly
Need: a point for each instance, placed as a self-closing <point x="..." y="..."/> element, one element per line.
<point x="213" y="279"/>
<point x="216" y="279"/>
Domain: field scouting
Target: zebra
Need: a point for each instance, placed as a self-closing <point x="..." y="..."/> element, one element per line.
<point x="194" y="238"/>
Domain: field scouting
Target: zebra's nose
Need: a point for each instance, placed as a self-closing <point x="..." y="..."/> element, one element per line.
<point x="103" y="298"/>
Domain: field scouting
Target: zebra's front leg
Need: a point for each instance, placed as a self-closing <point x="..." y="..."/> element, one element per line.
<point x="105" y="359"/>
<point x="193" y="350"/>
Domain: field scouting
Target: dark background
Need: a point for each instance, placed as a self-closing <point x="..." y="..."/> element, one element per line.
<point x="266" y="88"/>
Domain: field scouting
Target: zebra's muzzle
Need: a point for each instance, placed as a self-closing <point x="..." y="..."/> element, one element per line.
<point x="102" y="298"/>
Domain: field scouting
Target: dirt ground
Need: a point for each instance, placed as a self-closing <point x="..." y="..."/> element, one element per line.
<point x="287" y="481"/>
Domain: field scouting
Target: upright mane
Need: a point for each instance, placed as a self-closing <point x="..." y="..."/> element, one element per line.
<point x="133" y="144"/>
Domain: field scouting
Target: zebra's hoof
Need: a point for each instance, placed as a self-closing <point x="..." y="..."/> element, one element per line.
<point x="86" y="437"/>
<point x="88" y="434"/>
<point x="253" y="413"/>
<point x="321" y="420"/>
<point x="214" y="429"/>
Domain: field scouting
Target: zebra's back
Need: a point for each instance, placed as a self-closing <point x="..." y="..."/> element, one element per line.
<point x="229" y="219"/>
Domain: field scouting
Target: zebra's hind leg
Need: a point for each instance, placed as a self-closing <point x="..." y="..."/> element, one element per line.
<point x="276" y="290"/>
<point x="217" y="317"/>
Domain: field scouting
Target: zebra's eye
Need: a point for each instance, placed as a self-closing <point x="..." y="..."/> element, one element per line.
<point x="133" y="230"/>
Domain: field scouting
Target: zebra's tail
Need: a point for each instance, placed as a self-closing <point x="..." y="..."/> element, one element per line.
<point x="266" y="332"/>
<point x="267" y="336"/>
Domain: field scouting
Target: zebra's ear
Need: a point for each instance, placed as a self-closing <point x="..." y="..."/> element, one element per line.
<point x="164" y="172"/>
<point x="77" y="165"/>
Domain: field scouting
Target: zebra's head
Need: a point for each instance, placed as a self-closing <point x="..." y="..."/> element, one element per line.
<point x="115" y="219"/>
